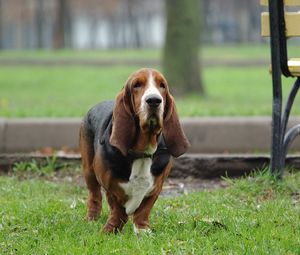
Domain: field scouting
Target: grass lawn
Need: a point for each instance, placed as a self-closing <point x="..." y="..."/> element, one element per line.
<point x="69" y="91"/>
<point x="236" y="52"/>
<point x="252" y="216"/>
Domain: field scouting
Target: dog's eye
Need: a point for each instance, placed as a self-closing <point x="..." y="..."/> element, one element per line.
<point x="137" y="85"/>
<point x="162" y="85"/>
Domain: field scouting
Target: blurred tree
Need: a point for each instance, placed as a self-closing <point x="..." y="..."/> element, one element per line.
<point x="1" y="32"/>
<point x="94" y="22"/>
<point x="180" y="59"/>
<point x="133" y="21"/>
<point x="39" y="22"/>
<point x="20" y="11"/>
<point x="62" y="31"/>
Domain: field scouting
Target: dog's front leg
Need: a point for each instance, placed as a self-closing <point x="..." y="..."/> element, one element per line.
<point x="117" y="215"/>
<point x="142" y="214"/>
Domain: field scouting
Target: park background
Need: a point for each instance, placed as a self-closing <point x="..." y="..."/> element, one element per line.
<point x="58" y="58"/>
<point x="104" y="24"/>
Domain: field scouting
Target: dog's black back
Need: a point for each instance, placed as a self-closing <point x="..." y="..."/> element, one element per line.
<point x="98" y="126"/>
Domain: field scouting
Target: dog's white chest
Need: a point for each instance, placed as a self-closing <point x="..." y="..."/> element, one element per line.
<point x="140" y="184"/>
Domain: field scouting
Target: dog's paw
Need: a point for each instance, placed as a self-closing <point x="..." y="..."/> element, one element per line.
<point x="111" y="229"/>
<point x="137" y="230"/>
<point x="93" y="213"/>
<point x="91" y="217"/>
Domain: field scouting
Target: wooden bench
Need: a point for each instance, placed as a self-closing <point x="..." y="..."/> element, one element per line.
<point x="280" y="24"/>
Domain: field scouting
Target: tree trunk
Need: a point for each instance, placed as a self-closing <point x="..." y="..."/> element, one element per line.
<point x="68" y="24"/>
<point x="62" y="33"/>
<point x="93" y="31"/>
<point x="39" y="22"/>
<point x="180" y="58"/>
<point x="1" y="29"/>
<point x="133" y="21"/>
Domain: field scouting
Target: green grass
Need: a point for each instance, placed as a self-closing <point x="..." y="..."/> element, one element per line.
<point x="71" y="91"/>
<point x="57" y="91"/>
<point x="252" y="216"/>
<point x="236" y="52"/>
<point x="82" y="54"/>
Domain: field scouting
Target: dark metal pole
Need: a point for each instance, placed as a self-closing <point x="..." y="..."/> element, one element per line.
<point x="276" y="146"/>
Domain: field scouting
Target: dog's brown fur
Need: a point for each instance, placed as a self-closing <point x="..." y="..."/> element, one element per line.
<point x="125" y="137"/>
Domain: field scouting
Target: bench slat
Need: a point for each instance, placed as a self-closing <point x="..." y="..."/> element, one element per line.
<point x="286" y="2"/>
<point x="294" y="66"/>
<point x="292" y="22"/>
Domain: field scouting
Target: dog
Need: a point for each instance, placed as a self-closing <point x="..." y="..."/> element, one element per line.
<point x="127" y="148"/>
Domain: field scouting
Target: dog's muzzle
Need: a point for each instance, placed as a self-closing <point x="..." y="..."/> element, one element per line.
<point x="153" y="101"/>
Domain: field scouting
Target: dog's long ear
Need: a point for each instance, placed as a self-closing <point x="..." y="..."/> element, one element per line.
<point x="175" y="139"/>
<point x="123" y="129"/>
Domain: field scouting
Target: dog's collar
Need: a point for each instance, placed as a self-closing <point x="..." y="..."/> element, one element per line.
<point x="134" y="155"/>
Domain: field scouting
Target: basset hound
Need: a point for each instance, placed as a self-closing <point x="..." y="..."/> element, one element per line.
<point x="127" y="148"/>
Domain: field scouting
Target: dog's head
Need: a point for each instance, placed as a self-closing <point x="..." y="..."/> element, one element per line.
<point x="146" y="105"/>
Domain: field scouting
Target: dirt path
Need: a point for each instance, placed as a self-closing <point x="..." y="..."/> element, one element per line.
<point x="180" y="186"/>
<point x="172" y="186"/>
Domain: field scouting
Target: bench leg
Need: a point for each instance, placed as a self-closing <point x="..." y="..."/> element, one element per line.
<point x="289" y="137"/>
<point x="276" y="129"/>
<point x="281" y="140"/>
<point x="277" y="89"/>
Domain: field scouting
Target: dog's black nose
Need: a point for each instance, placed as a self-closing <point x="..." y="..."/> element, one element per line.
<point x="153" y="101"/>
